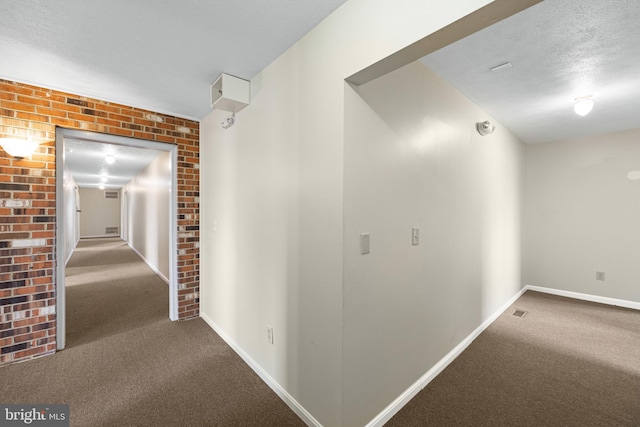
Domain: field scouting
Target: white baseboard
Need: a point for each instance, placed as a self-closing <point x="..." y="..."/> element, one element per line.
<point x="422" y="382"/>
<point x="70" y="255"/>
<point x="585" y="297"/>
<point x="415" y="388"/>
<point x="268" y="379"/>
<point x="386" y="414"/>
<point x="151" y="266"/>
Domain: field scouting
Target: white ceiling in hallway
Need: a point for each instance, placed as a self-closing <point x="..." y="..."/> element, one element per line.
<point x="158" y="55"/>
<point x="559" y="50"/>
<point x="88" y="164"/>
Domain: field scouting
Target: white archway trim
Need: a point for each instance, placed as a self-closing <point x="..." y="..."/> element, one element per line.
<point x="61" y="135"/>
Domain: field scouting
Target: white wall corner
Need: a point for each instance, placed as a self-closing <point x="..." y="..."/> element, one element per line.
<point x="289" y="400"/>
<point x="395" y="406"/>
<point x="383" y="417"/>
<point x="635" y="305"/>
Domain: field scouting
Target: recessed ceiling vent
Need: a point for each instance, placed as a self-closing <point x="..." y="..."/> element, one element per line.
<point x="501" y="67"/>
<point x="519" y="313"/>
<point x="110" y="194"/>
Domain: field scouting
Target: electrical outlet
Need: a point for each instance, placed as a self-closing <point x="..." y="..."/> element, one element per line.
<point x="270" y="334"/>
<point x="600" y="276"/>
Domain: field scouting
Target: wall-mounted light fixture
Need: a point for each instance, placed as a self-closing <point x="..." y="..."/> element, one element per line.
<point x="583" y="105"/>
<point x="229" y="121"/>
<point x="485" y="128"/>
<point x="19" y="148"/>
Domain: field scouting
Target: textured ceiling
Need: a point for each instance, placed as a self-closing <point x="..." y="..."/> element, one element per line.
<point x="163" y="55"/>
<point x="560" y="50"/>
<point x="160" y="55"/>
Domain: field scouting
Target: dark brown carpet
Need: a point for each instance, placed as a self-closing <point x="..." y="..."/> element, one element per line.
<point x="126" y="364"/>
<point x="565" y="363"/>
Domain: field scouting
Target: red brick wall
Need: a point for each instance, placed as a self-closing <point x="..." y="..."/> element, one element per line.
<point x="28" y="206"/>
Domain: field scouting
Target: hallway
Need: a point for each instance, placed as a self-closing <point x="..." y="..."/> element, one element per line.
<point x="126" y="363"/>
<point x="110" y="291"/>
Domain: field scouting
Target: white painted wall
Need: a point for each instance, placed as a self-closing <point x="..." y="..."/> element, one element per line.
<point x="582" y="215"/>
<point x="272" y="189"/>
<point x="71" y="203"/>
<point x="97" y="213"/>
<point x="147" y="220"/>
<point x="414" y="159"/>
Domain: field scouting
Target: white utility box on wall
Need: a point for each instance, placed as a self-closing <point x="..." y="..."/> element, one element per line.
<point x="230" y="93"/>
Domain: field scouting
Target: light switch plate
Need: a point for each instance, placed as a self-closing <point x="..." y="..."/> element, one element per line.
<point x="415" y="236"/>
<point x="364" y="243"/>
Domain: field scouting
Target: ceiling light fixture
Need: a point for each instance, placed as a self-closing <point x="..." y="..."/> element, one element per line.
<point x="583" y="105"/>
<point x="110" y="159"/>
<point x="19" y="148"/>
<point x="101" y="186"/>
<point x="103" y="179"/>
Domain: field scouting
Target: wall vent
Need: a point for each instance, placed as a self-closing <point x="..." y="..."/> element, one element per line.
<point x="111" y="230"/>
<point x="110" y="194"/>
<point x="519" y="313"/>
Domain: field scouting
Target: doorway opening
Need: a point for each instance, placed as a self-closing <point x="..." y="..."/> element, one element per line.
<point x="133" y="205"/>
